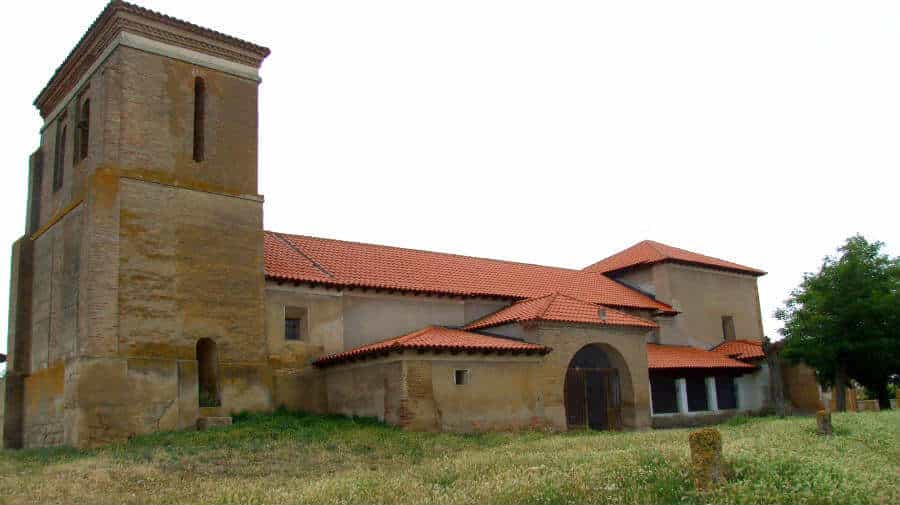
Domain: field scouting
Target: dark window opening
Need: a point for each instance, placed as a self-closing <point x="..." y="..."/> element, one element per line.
<point x="664" y="394"/>
<point x="60" y="157"/>
<point x="295" y="323"/>
<point x="728" y="327"/>
<point x="291" y="329"/>
<point x="696" y="393"/>
<point x="199" y="117"/>
<point x="84" y="130"/>
<point x="726" y="393"/>
<point x="208" y="373"/>
<point x="461" y="377"/>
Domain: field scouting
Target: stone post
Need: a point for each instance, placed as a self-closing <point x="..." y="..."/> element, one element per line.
<point x="706" y="458"/>
<point x="681" y="395"/>
<point x="712" y="395"/>
<point x="823" y="422"/>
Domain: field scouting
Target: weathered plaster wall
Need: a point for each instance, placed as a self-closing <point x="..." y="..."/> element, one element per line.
<point x="702" y="296"/>
<point x="373" y="317"/>
<point x="753" y="389"/>
<point x="324" y="327"/>
<point x="342" y="320"/>
<point x="502" y="394"/>
<point x="368" y="389"/>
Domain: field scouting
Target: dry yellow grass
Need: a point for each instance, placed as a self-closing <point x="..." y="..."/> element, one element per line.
<point x="291" y="458"/>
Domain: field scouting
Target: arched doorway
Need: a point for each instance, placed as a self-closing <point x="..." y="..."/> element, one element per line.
<point x="208" y="373"/>
<point x="593" y="394"/>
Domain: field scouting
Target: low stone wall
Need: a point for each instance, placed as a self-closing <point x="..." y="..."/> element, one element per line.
<point x="692" y="420"/>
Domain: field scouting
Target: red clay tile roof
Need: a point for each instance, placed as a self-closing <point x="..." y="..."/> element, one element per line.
<point x="649" y="252"/>
<point x="436" y="338"/>
<point x="559" y="307"/>
<point x="740" y="349"/>
<point x="668" y="357"/>
<point x="351" y="264"/>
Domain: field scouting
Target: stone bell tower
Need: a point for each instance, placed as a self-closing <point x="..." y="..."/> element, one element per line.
<point x="137" y="290"/>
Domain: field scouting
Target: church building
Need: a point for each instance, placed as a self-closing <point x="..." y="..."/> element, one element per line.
<point x="147" y="296"/>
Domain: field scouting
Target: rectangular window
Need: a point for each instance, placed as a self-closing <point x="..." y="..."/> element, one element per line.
<point x="59" y="160"/>
<point x="664" y="394"/>
<point x="199" y="117"/>
<point x="83" y="130"/>
<point x="728" y="327"/>
<point x="295" y="323"/>
<point x="291" y="329"/>
<point x="461" y="377"/>
<point x="696" y="393"/>
<point x="726" y="392"/>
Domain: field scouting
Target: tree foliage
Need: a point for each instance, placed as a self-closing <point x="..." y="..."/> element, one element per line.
<point x="846" y="317"/>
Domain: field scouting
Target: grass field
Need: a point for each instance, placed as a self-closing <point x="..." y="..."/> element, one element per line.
<point x="295" y="458"/>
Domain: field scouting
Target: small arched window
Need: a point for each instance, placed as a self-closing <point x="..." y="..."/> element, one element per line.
<point x="199" y="117"/>
<point x="84" y="129"/>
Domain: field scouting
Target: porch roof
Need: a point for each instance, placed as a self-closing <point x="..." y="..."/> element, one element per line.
<point x="435" y="339"/>
<point x="674" y="357"/>
<point x="743" y="350"/>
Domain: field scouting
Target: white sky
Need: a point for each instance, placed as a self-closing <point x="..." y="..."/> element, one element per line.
<point x="549" y="132"/>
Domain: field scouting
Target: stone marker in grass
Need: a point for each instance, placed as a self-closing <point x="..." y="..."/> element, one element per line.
<point x="823" y="422"/>
<point x="706" y="458"/>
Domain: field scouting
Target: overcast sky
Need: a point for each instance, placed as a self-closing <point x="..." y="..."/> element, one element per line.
<point x="549" y="132"/>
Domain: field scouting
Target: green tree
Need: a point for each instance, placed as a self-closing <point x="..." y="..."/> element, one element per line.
<point x="844" y="321"/>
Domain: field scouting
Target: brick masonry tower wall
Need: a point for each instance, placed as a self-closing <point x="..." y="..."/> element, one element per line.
<point x="141" y="251"/>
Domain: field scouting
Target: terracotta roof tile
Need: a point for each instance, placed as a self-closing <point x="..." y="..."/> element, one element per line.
<point x="436" y="338"/>
<point x="740" y="349"/>
<point x="352" y="264"/>
<point x="559" y="307"/>
<point x="649" y="252"/>
<point x="663" y="357"/>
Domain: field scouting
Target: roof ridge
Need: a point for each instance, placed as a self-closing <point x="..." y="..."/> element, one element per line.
<point x="301" y="253"/>
<point x="551" y="297"/>
<point x="654" y="244"/>
<point x="370" y="244"/>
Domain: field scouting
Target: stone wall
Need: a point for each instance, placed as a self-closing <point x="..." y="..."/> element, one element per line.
<point x="688" y="421"/>
<point x="418" y="392"/>
<point x="702" y="296"/>
<point x="801" y="388"/>
<point x="140" y="253"/>
<point x="627" y="350"/>
<point x="368" y="389"/>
